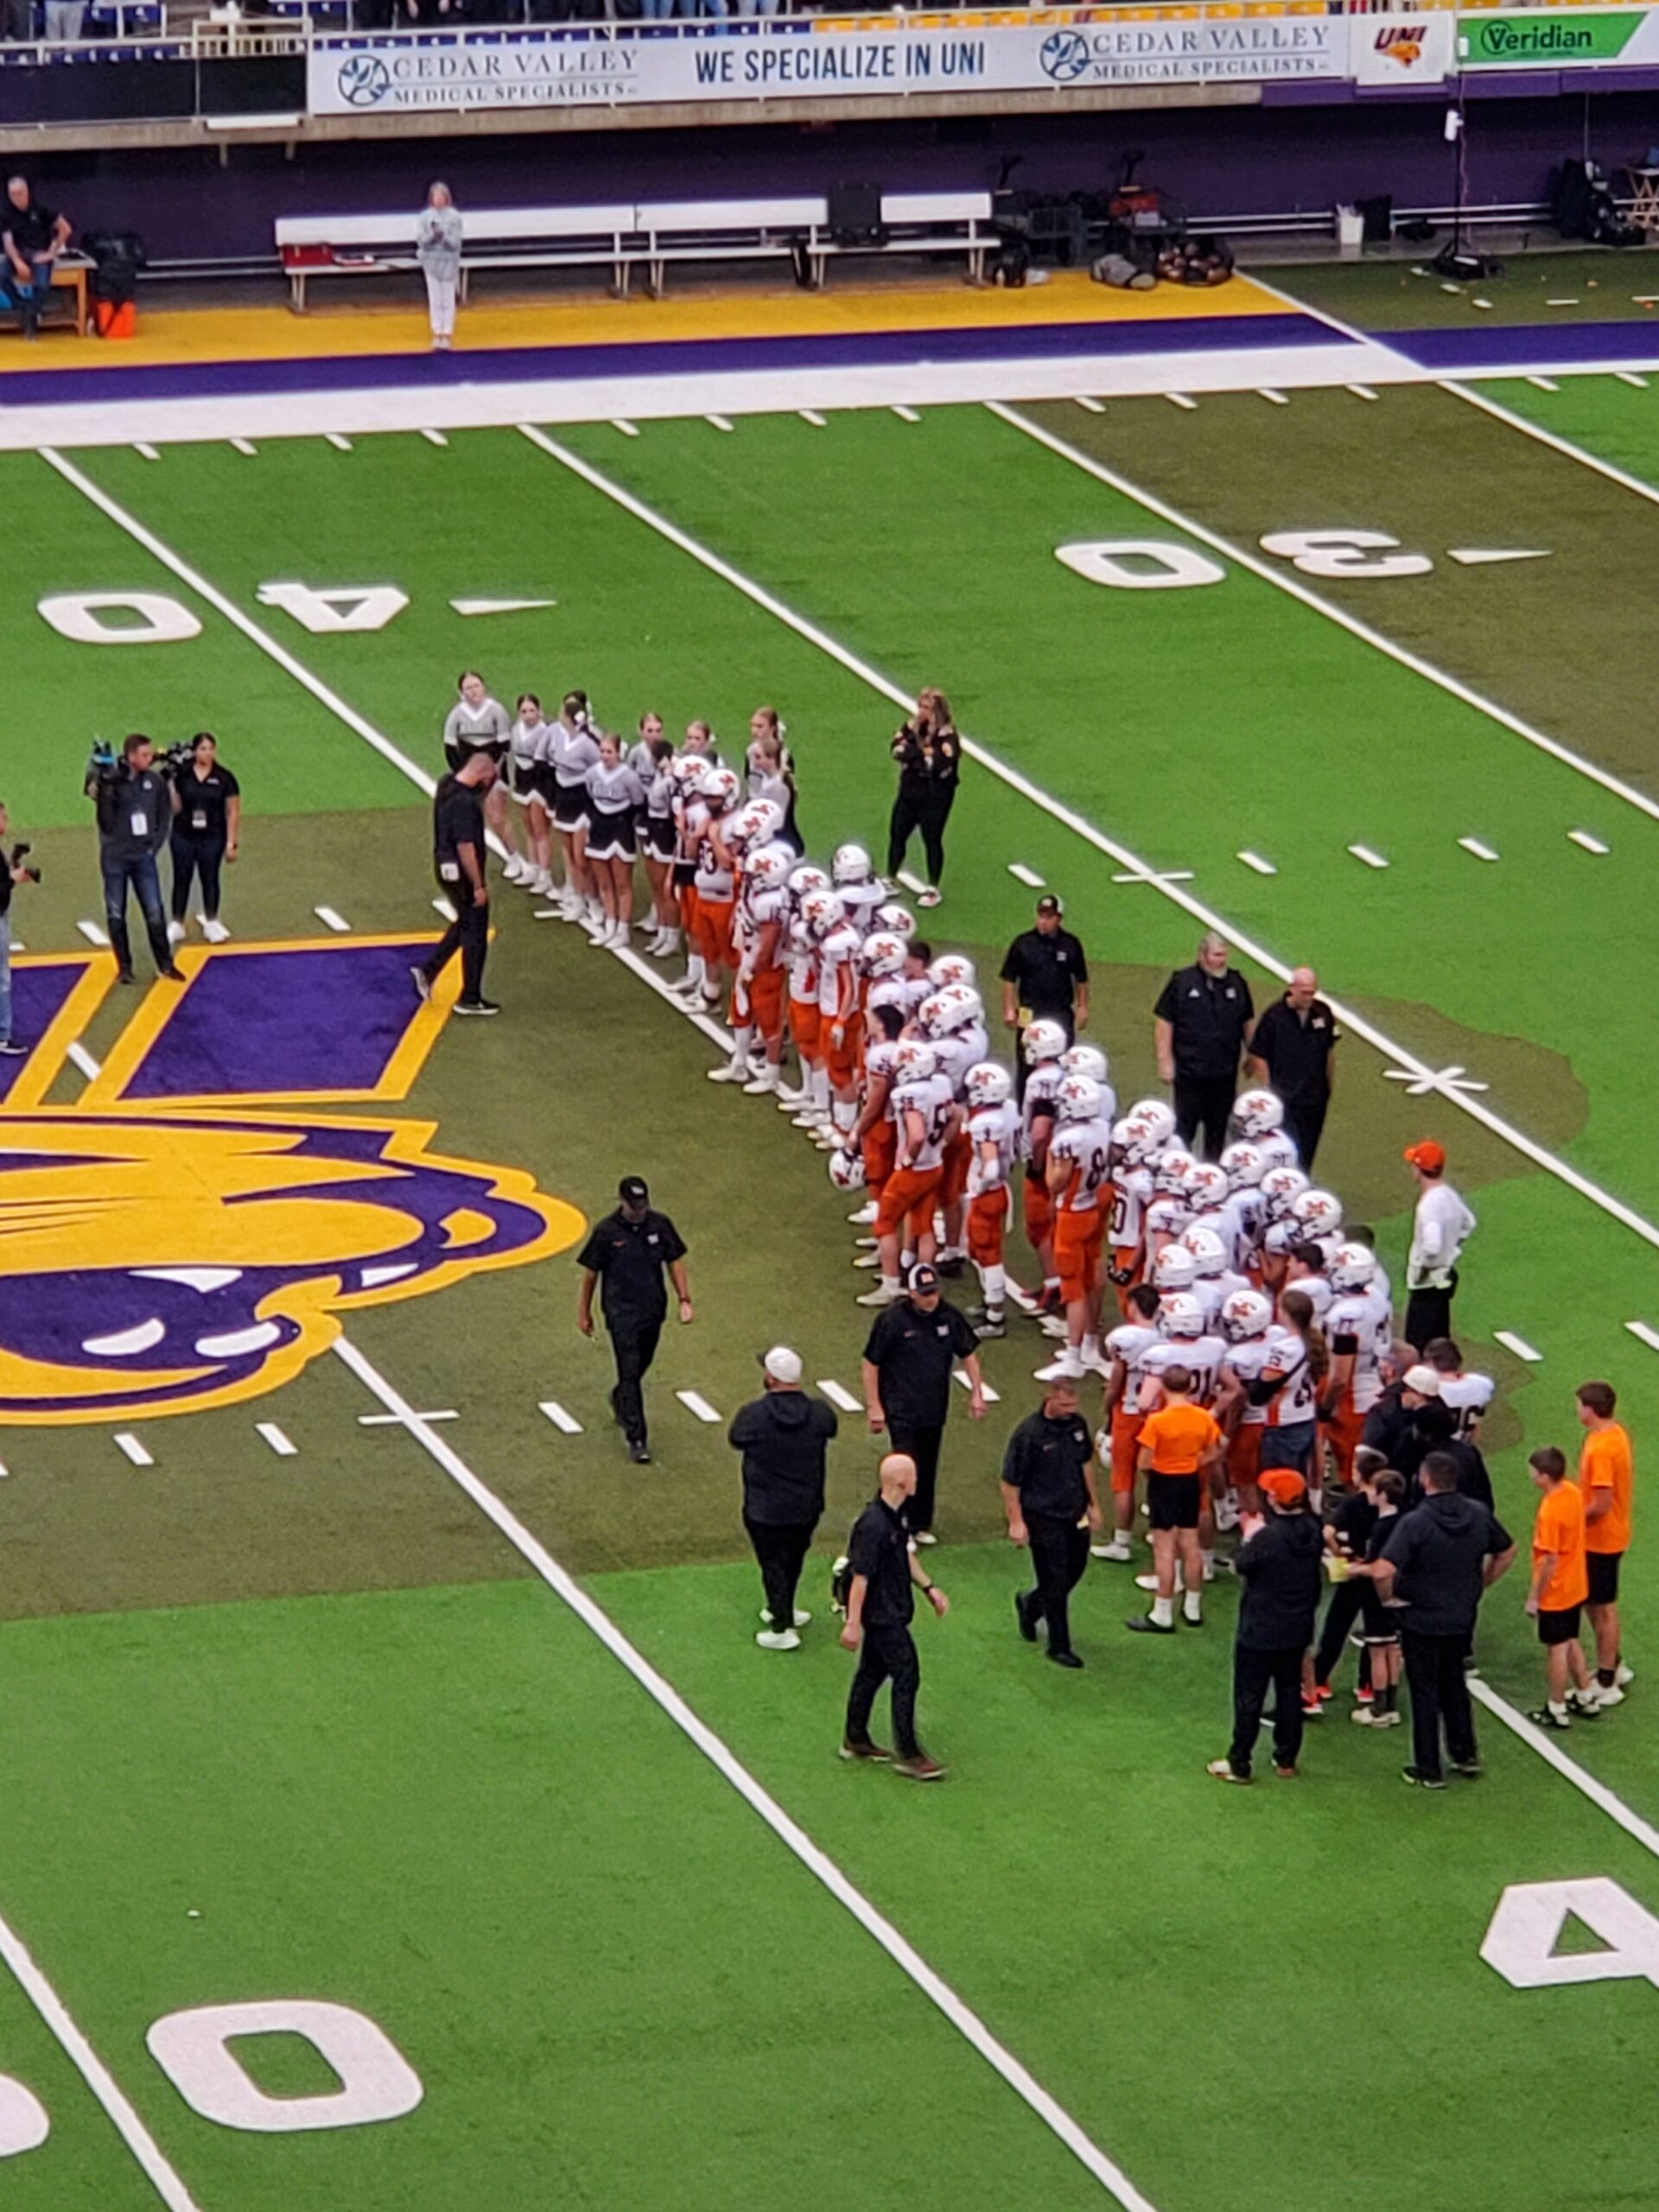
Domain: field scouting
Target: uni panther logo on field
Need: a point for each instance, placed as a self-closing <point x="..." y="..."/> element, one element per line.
<point x="164" y="1262"/>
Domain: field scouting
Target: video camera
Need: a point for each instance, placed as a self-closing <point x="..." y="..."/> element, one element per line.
<point x="102" y="766"/>
<point x="175" y="758"/>
<point x="19" y="856"/>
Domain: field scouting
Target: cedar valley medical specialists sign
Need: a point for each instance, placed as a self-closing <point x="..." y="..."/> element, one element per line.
<point x="737" y="61"/>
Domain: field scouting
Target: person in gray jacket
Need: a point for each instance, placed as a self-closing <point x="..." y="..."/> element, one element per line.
<point x="437" y="248"/>
<point x="784" y="1437"/>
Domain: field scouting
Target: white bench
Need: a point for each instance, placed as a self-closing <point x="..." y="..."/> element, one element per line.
<point x="621" y="235"/>
<point x="501" y="238"/>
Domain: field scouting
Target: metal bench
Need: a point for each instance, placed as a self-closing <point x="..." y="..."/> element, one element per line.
<point x="502" y="238"/>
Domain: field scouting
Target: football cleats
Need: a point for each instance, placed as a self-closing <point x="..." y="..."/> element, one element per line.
<point x="987" y="1085"/>
<point x="1246" y="1313"/>
<point x="1351" y="1268"/>
<point x="883" y="954"/>
<point x="1078" y="1099"/>
<point x="1043" y="1040"/>
<point x="1259" y="1112"/>
<point x="1244" y="1165"/>
<point x="850" y="865"/>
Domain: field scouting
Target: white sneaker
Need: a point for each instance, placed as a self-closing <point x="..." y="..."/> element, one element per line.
<point x="1624" y="1675"/>
<point x="864" y="1215"/>
<point x="1117" y="1550"/>
<point x="1605" y="1697"/>
<point x="175" y="932"/>
<point x="735" y="1071"/>
<point x="779" y="1639"/>
<point x="684" y="985"/>
<point x="791" y="1101"/>
<point x="513" y="869"/>
<point x="927" y="1539"/>
<point x="802" y="1620"/>
<point x="214" y="931"/>
<point x="885" y="1294"/>
<point x="543" y="884"/>
<point x="1059" y="1370"/>
<point x="867" y="1259"/>
<point x="762" y="1085"/>
<point x="1147" y="1582"/>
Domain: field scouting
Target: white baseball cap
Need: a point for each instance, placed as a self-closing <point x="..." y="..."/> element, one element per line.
<point x="782" y="1364"/>
<point x="1424" y="1381"/>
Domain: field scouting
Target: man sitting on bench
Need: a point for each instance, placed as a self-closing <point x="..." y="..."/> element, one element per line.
<point x="33" y="237"/>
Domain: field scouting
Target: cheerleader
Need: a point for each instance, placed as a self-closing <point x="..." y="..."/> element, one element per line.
<point x="771" y="773"/>
<point x="657" y="847"/>
<point x="533" y="781"/>
<point x="615" y="796"/>
<point x="571" y="751"/>
<point x="478" y="723"/>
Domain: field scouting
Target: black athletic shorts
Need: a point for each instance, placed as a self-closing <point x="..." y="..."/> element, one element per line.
<point x="1604" y="1577"/>
<point x="1172" y="1501"/>
<point x="571" y="807"/>
<point x="660" y="837"/>
<point x="1558" y="1623"/>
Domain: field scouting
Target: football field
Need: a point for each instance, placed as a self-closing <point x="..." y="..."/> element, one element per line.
<point x="348" y="1664"/>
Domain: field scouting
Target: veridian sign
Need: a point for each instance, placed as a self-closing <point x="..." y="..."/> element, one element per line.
<point x="1542" y="40"/>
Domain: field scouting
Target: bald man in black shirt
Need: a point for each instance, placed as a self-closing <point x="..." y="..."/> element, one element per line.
<point x="458" y="856"/>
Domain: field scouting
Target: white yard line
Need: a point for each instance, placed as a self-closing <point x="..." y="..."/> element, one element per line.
<point x="78" y="1056"/>
<point x="92" y="932"/>
<point x="1371" y="858"/>
<point x="1549" y="1751"/>
<point x="567" y="1424"/>
<point x="697" y="1406"/>
<point x="1643" y="1334"/>
<point x="1021" y="874"/>
<point x="1286" y="580"/>
<point x="839" y="1394"/>
<point x="1481" y="850"/>
<point x="278" y="1438"/>
<point x="1590" y="844"/>
<point x="1518" y="1345"/>
<point x="128" y="1445"/>
<point x="434" y="437"/>
<point x="331" y="920"/>
<point x="1355" y="1023"/>
<point x="1254" y="860"/>
<point x="1540" y="437"/>
<point x="724" y="1760"/>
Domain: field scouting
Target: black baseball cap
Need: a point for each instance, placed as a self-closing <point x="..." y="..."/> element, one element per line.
<point x="633" y="1189"/>
<point x="1051" y="904"/>
<point x="924" y="1277"/>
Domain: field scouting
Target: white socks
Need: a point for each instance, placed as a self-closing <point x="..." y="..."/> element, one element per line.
<point x="1163" y="1611"/>
<point x="993" y="1288"/>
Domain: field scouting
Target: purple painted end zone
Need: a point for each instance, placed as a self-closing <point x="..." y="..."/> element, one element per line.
<point x="1527" y="345"/>
<point x="254" y="1024"/>
<point x="722" y="356"/>
<point x="38" y="996"/>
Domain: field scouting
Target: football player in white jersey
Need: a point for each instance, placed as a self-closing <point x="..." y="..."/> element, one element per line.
<point x="1119" y="1442"/>
<point x="1090" y="1060"/>
<point x="1246" y="1322"/>
<point x="1184" y="1342"/>
<point x="1466" y="1397"/>
<point x="953" y="1022"/>
<point x="857" y="885"/>
<point x="1079" y="1164"/>
<point x="840" y="1019"/>
<point x="1259" y="1116"/>
<point x="1356" y="1325"/>
<point x="757" y="1006"/>
<point x="926" y="1112"/>
<point x="1133" y="1145"/>
<point x="875" y="1132"/>
<point x="1304" y="1271"/>
<point x="801" y="973"/>
<point x="993" y="1126"/>
<point x="1288" y="1390"/>
<point x="1206" y="1240"/>
<point x="1042" y="1044"/>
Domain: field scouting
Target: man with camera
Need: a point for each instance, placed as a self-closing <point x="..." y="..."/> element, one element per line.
<point x="12" y="870"/>
<point x="135" y="819"/>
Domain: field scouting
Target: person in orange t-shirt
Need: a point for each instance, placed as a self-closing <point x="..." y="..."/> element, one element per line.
<point x="1606" y="1478"/>
<point x="1559" y="1584"/>
<point x="1179" y="1444"/>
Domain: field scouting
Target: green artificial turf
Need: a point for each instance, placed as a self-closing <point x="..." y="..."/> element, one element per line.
<point x="1582" y="284"/>
<point x="1602" y="416"/>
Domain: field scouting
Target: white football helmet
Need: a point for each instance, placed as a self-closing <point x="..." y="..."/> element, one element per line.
<point x="822" y="912"/>
<point x="1246" y="1313"/>
<point x="987" y="1085"/>
<point x="889" y="991"/>
<point x="1169" y="1174"/>
<point x="805" y="879"/>
<point x="1086" y="1059"/>
<point x="1204" y="1185"/>
<point x="1160" y="1115"/>
<point x="1351" y="1268"/>
<point x="1243" y="1164"/>
<point x="1209" y="1253"/>
<point x="1043" y="1040"/>
<point x="897" y="918"/>
<point x="756" y="822"/>
<point x="1174" y="1269"/>
<point x="846" y="1169"/>
<point x="1318" y="1213"/>
<point x="1280" y="1239"/>
<point x="1078" y="1099"/>
<point x="1166" y="1217"/>
<point x="1258" y="1113"/>
<point x="948" y="1010"/>
<point x="1280" y="1188"/>
<point x="851" y="864"/>
<point x="951" y="967"/>
<point x="1180" y="1314"/>
<point x="769" y="866"/>
<point x="1141" y="1142"/>
<point x="914" y="1060"/>
<point x="720" y="786"/>
<point x="883" y="954"/>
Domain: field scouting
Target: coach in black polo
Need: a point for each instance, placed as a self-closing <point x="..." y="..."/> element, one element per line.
<point x="1048" y="1490"/>
<point x="1045" y="977"/>
<point x="1200" y="1028"/>
<point x="1291" y="1046"/>
<point x="630" y="1250"/>
<point x="912" y="1348"/>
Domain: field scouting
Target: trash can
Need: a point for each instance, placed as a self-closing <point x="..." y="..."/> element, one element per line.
<point x="1350" y="233"/>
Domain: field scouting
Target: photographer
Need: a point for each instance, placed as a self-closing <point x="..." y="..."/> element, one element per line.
<point x="929" y="753"/>
<point x="134" y="815"/>
<point x="11" y="871"/>
<point x="206" y="819"/>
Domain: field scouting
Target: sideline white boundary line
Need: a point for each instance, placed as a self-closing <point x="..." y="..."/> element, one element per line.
<point x="1122" y="855"/>
<point x="1535" y="430"/>
<point x="1290" y="583"/>
<point x="1551" y="1752"/>
<point x="726" y="1763"/>
<point x="160" y="2175"/>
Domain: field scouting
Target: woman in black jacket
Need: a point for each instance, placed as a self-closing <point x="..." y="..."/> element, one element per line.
<point x="929" y="753"/>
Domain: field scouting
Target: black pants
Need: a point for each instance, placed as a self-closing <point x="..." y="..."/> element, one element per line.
<point x="1428" y="1314"/>
<point x="633" y="1345"/>
<point x="1203" y="1103"/>
<point x="929" y="814"/>
<point x="887" y="1655"/>
<point x="195" y="855"/>
<point x="469" y="934"/>
<point x="782" y="1553"/>
<point x="1253" y="1671"/>
<point x="1439" y="1696"/>
<point x="921" y="1445"/>
<point x="1059" y="1552"/>
<point x="1305" y="1119"/>
<point x="1340" y="1617"/>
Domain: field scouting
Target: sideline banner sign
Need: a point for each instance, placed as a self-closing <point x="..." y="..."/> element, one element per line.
<point x="636" y="65"/>
<point x="1401" y="49"/>
<point x="1558" y="38"/>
